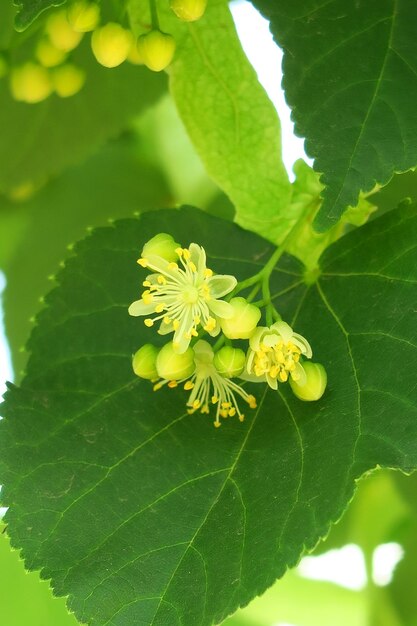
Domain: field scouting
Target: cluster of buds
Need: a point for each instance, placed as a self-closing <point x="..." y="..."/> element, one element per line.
<point x="51" y="69"/>
<point x="190" y="301"/>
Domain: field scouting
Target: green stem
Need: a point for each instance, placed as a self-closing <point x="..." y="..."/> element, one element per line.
<point x="154" y="14"/>
<point x="264" y="274"/>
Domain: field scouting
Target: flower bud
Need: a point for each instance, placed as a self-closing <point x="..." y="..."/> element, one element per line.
<point x="83" y="16"/>
<point x="111" y="44"/>
<point x="47" y="54"/>
<point x="30" y="83"/>
<point x="61" y="33"/>
<point x="173" y="366"/>
<point x="315" y="385"/>
<point x="157" y="49"/>
<point x="68" y="80"/>
<point x="188" y="10"/>
<point x="229" y="362"/>
<point x="144" y="362"/>
<point x="244" y="320"/>
<point x="162" y="245"/>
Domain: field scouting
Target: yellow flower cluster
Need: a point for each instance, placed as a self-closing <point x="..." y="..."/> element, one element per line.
<point x="184" y="295"/>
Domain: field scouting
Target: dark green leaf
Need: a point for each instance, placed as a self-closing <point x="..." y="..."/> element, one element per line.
<point x="38" y="140"/>
<point x="28" y="10"/>
<point x="144" y="514"/>
<point x="350" y="75"/>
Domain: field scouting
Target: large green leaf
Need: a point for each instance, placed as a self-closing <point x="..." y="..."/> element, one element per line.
<point x="145" y="514"/>
<point x="28" y="10"/>
<point x="350" y="76"/>
<point x="38" y="140"/>
<point x="228" y="116"/>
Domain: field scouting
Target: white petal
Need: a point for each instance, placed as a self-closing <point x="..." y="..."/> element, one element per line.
<point x="255" y="340"/>
<point x="284" y="330"/>
<point x="220" y="284"/>
<point x="198" y="257"/>
<point x="252" y="378"/>
<point x="140" y="308"/>
<point x="164" y="329"/>
<point x="221" y="308"/>
<point x="272" y="382"/>
<point x="303" y="344"/>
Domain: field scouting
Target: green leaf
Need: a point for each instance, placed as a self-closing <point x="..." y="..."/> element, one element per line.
<point x="39" y="140"/>
<point x="228" y="116"/>
<point x="350" y="76"/>
<point x="113" y="183"/>
<point x="24" y="598"/>
<point x="28" y="10"/>
<point x="143" y="513"/>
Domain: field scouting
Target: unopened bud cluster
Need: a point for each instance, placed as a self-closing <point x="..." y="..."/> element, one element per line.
<point x="192" y="303"/>
<point x="51" y="68"/>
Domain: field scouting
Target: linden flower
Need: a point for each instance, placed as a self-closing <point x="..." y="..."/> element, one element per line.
<point x="208" y="387"/>
<point x="274" y="354"/>
<point x="184" y="298"/>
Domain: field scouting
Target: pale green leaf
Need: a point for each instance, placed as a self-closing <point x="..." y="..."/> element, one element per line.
<point x="228" y="116"/>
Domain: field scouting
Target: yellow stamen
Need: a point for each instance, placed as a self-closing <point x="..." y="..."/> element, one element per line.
<point x="167" y="319"/>
<point x="147" y="283"/>
<point x="159" y="308"/>
<point x="208" y="272"/>
<point x="188" y="385"/>
<point x="143" y="262"/>
<point x="172" y="384"/>
<point x="186" y="253"/>
<point x="210" y="325"/>
<point x="162" y="280"/>
<point x="176" y="324"/>
<point x="217" y="424"/>
<point x="196" y="404"/>
<point x="172" y="266"/>
<point x="214" y="399"/>
<point x="192" y="266"/>
<point x="179" y="251"/>
<point x="148" y="322"/>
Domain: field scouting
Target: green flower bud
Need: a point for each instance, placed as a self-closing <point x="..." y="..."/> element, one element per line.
<point x="47" y="54"/>
<point x="157" y="49"/>
<point x="83" y="16"/>
<point x="68" y="80"/>
<point x="244" y="320"/>
<point x="144" y="362"/>
<point x="111" y="44"/>
<point x="173" y="366"/>
<point x="30" y="83"/>
<point x="61" y="33"/>
<point x="162" y="245"/>
<point x="188" y="10"/>
<point x="315" y="385"/>
<point x="229" y="362"/>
